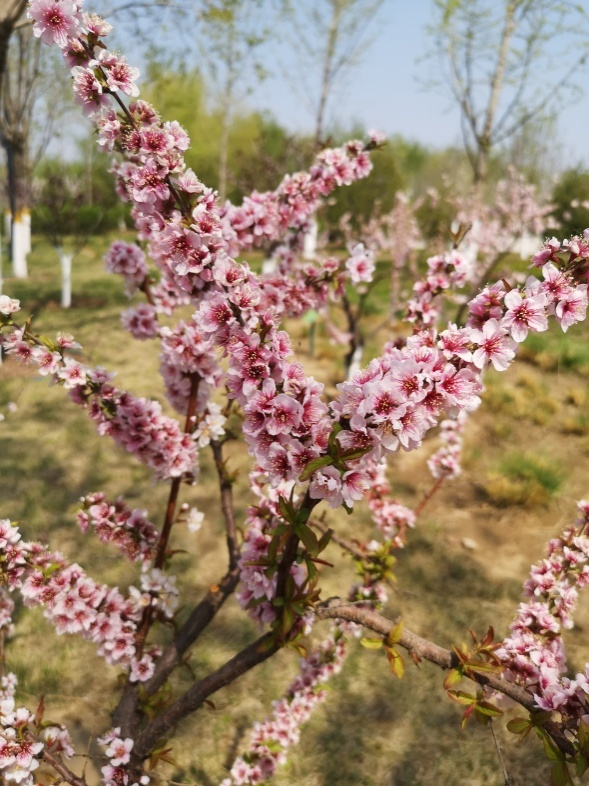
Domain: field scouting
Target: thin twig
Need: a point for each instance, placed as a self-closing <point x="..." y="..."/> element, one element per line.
<point x="355" y="550"/>
<point x="437" y="485"/>
<point x="162" y="547"/>
<point x="58" y="765"/>
<point x="226" y="490"/>
<point x="506" y="778"/>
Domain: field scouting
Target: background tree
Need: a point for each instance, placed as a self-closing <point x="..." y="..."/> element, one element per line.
<point x="230" y="34"/>
<point x="328" y="38"/>
<point x="17" y="100"/>
<point x="11" y="12"/>
<point x="571" y="199"/>
<point x="62" y="217"/>
<point x="503" y="64"/>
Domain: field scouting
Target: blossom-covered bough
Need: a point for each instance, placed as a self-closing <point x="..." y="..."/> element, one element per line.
<point x="305" y="450"/>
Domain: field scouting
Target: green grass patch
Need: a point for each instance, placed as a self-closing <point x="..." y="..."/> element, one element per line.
<point x="556" y="351"/>
<point x="523" y="479"/>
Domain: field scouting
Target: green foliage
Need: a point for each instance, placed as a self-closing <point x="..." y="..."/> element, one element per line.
<point x="571" y="197"/>
<point x="259" y="150"/>
<point x="76" y="197"/>
<point x="379" y="187"/>
<point x="59" y="210"/>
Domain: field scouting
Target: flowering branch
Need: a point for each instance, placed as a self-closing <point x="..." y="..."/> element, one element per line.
<point x="423" y="649"/>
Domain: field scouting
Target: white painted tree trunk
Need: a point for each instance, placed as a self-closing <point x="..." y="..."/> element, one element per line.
<point x="269" y="266"/>
<point x="356" y="363"/>
<point x="310" y="240"/>
<point x="20" y="244"/>
<point x="27" y="222"/>
<point x="65" y="260"/>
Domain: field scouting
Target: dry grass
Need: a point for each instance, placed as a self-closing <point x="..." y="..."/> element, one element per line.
<point x="373" y="730"/>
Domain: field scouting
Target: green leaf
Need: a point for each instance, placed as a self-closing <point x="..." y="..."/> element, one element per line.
<point x="395" y="634"/>
<point x="300" y="648"/>
<point x="583" y="735"/>
<point x="266" y="644"/>
<point x="287" y="511"/>
<point x="581" y="764"/>
<point x="324" y="540"/>
<point x="333" y="442"/>
<point x="486" y="708"/>
<point x="395" y="662"/>
<point x="550" y="750"/>
<point x="452" y="678"/>
<point x="461" y="697"/>
<point x="308" y="538"/>
<point x="48" y="343"/>
<point x="540" y="718"/>
<point x="273" y="548"/>
<point x="519" y="725"/>
<point x="560" y="775"/>
<point x="288" y="620"/>
<point x="354" y="453"/>
<point x="483" y="666"/>
<point x="371" y="644"/>
<point x="312" y="571"/>
<point x="314" y="465"/>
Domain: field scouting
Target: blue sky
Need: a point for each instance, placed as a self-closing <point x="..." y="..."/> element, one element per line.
<point x="383" y="91"/>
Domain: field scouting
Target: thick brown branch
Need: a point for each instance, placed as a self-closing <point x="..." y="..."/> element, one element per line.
<point x="195" y="697"/>
<point x="200" y="618"/>
<point x="446" y="659"/>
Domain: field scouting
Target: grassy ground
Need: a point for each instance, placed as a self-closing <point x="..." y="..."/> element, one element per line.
<point x="524" y="465"/>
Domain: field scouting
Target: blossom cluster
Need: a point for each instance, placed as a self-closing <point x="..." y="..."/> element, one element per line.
<point x="258" y="580"/>
<point x="72" y="601"/>
<point x="266" y="217"/>
<point x="390" y="517"/>
<point x="136" y="424"/>
<point x="445" y="271"/>
<point x="445" y="462"/>
<point x="533" y="654"/>
<point x="127" y="260"/>
<point x="399" y="396"/>
<point x="118" y="750"/>
<point x="114" y="522"/>
<point x="495" y="229"/>
<point x="24" y="738"/>
<point x="271" y="739"/>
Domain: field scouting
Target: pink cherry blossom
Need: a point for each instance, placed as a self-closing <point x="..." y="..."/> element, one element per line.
<point x="494" y="346"/>
<point x="54" y="21"/>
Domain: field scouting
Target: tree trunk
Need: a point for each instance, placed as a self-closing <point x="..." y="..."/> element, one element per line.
<point x="327" y="69"/>
<point x="19" y="203"/>
<point x="481" y="163"/>
<point x="10" y="13"/>
<point x="223" y="153"/>
<point x="65" y="260"/>
<point x="310" y="239"/>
